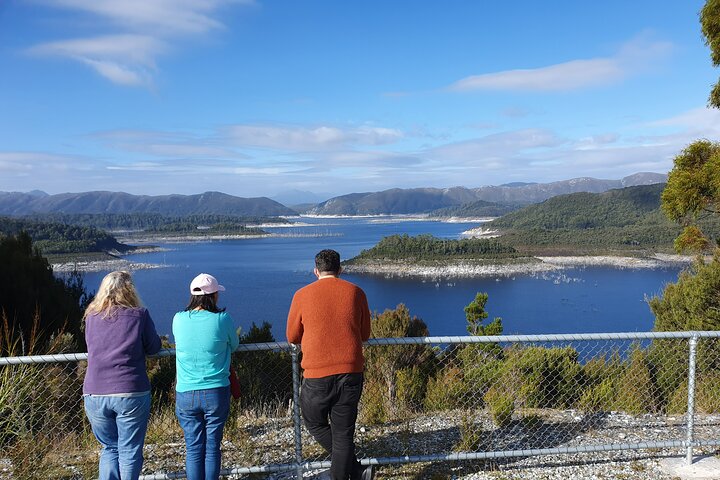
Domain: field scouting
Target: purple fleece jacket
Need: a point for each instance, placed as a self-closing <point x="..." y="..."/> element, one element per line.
<point x="117" y="346"/>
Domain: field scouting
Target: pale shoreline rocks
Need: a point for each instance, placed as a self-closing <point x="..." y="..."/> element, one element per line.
<point x="544" y="264"/>
<point x="103" y="266"/>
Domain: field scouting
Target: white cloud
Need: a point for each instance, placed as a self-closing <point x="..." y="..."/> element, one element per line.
<point x="145" y="29"/>
<point x="490" y="147"/>
<point x="633" y="57"/>
<point x="708" y="118"/>
<point x="123" y="59"/>
<point x="167" y="144"/>
<point x="297" y="138"/>
<point x="564" y="76"/>
<point x="168" y="16"/>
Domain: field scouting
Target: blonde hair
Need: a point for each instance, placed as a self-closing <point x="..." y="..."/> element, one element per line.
<point x="116" y="290"/>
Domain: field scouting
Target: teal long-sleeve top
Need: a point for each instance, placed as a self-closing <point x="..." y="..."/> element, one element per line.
<point x="203" y="344"/>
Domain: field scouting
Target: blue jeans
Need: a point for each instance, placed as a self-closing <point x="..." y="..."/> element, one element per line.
<point x="119" y="424"/>
<point x="202" y="415"/>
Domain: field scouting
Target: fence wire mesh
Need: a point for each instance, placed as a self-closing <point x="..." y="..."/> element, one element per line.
<point x="424" y="398"/>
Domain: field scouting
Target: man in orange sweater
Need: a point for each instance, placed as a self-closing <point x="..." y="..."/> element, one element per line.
<point x="330" y="318"/>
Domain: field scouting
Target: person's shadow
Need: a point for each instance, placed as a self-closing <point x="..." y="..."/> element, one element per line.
<point x="524" y="434"/>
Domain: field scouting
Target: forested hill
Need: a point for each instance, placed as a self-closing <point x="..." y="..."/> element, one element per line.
<point x="479" y="208"/>
<point x="424" y="200"/>
<point x="14" y="203"/>
<point x="614" y="208"/>
<point x="62" y="238"/>
<point x="627" y="219"/>
<point x="154" y="222"/>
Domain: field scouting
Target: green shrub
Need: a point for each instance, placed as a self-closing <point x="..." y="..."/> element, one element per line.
<point x="410" y="388"/>
<point x="542" y="377"/>
<point x="398" y="374"/>
<point x="372" y="404"/>
<point x="501" y="404"/>
<point x="445" y="391"/>
<point x="477" y="379"/>
<point x="636" y="391"/>
<point x="707" y="396"/>
<point x="472" y="437"/>
<point x="668" y="360"/>
<point x="598" y="398"/>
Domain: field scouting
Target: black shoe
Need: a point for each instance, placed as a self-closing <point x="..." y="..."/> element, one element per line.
<point x="368" y="473"/>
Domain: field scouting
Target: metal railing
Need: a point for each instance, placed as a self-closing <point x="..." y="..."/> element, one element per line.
<point x="425" y="399"/>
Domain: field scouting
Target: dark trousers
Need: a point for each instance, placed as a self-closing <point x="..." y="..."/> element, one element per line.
<point x="329" y="409"/>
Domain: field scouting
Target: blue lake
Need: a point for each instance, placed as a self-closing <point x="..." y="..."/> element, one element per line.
<point x="262" y="274"/>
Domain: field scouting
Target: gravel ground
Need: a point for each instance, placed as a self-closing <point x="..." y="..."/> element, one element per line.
<point x="434" y="434"/>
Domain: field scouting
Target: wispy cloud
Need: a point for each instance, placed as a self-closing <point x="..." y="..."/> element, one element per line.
<point x="123" y="59"/>
<point x="498" y="145"/>
<point x="299" y="138"/>
<point x="255" y="160"/>
<point x="167" y="144"/>
<point x="168" y="17"/>
<point x="145" y="29"/>
<point x="635" y="56"/>
<point x="703" y="119"/>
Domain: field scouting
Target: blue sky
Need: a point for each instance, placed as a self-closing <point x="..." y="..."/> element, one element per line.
<point x="256" y="98"/>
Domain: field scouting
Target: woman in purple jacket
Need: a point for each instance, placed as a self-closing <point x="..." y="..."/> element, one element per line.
<point x="119" y="333"/>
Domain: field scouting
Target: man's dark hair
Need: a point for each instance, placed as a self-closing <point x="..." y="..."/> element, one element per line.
<point x="327" y="261"/>
<point x="205" y="302"/>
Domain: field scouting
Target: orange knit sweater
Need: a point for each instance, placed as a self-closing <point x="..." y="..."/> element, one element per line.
<point x="330" y="318"/>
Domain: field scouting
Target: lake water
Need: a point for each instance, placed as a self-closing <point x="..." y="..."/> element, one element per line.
<point x="262" y="274"/>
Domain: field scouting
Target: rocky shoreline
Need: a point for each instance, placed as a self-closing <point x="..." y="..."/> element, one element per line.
<point x="103" y="266"/>
<point x="533" y="265"/>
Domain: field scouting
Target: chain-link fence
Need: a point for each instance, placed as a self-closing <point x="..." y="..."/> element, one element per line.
<point x="425" y="399"/>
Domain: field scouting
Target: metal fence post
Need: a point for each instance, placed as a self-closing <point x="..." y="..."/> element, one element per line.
<point x="691" y="399"/>
<point x="294" y="352"/>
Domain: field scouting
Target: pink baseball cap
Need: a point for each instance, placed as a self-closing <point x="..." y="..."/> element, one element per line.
<point x="205" y="284"/>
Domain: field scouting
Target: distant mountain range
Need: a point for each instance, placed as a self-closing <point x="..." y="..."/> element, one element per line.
<point x="15" y="203"/>
<point x="393" y="201"/>
<point x="424" y="200"/>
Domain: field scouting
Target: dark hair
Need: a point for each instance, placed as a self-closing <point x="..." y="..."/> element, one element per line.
<point x="327" y="261"/>
<point x="204" y="302"/>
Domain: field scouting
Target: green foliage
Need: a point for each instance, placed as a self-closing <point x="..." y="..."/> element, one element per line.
<point x="30" y="291"/>
<point x="398" y="373"/>
<point x="693" y="303"/>
<point x="410" y="385"/>
<point x="501" y="404"/>
<point x="710" y="25"/>
<point x="599" y="383"/>
<point x="541" y="377"/>
<point x="62" y="238"/>
<point x="472" y="437"/>
<point x="638" y="391"/>
<point x="150" y="221"/>
<point x="475" y="314"/>
<point x="161" y="372"/>
<point x="425" y="247"/>
<point x="622" y="219"/>
<point x="693" y="191"/>
<point x="476" y="209"/>
<point x="598" y="398"/>
<point x="445" y="391"/>
<point x="258" y="371"/>
<point x="480" y="361"/>
<point x="707" y="395"/>
<point x="581" y="211"/>
<point x="34" y="400"/>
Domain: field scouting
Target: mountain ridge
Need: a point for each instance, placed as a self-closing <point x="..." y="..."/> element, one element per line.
<point x="425" y="200"/>
<point x="15" y="203"/>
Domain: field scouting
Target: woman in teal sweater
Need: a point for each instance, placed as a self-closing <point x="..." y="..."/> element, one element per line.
<point x="204" y="339"/>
